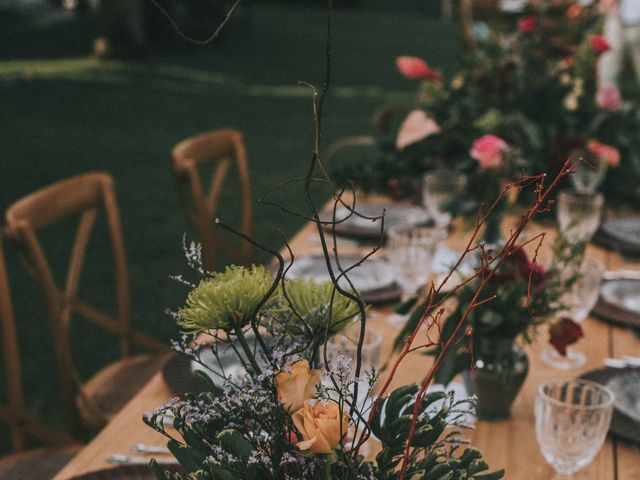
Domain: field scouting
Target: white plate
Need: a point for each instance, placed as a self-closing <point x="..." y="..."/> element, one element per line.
<point x="372" y="274"/>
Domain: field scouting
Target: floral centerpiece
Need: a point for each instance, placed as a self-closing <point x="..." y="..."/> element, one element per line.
<point x="533" y="86"/>
<point x="276" y="406"/>
<point x="520" y="296"/>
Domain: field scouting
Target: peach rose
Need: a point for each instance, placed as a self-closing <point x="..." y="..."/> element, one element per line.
<point x="297" y="385"/>
<point x="417" y="126"/>
<point x="320" y="425"/>
<point x="488" y="151"/>
<point x="605" y="153"/>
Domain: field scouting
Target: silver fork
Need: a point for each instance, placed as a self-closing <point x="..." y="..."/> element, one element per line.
<point x="144" y="448"/>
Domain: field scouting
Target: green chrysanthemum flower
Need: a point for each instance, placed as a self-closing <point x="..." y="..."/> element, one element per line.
<point x="225" y="301"/>
<point x="311" y="300"/>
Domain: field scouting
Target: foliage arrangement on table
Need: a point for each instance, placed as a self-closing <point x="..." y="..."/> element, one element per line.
<point x="289" y="411"/>
<point x="533" y="89"/>
<point x="520" y="296"/>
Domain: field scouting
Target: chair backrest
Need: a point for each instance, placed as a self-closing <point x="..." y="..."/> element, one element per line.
<point x="219" y="149"/>
<point x="14" y="413"/>
<point x="83" y="195"/>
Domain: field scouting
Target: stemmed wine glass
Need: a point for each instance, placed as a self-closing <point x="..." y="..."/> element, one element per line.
<point x="572" y="420"/>
<point x="579" y="215"/>
<point x="577" y="303"/>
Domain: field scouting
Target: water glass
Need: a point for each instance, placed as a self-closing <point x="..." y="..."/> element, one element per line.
<point x="410" y="251"/>
<point x="346" y="343"/>
<point x="577" y="303"/>
<point x="438" y="188"/>
<point x="588" y="172"/>
<point x="572" y="420"/>
<point x="579" y="215"/>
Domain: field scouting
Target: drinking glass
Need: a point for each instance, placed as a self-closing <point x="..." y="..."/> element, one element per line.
<point x="588" y="172"/>
<point x="579" y="215"/>
<point x="438" y="188"/>
<point x="346" y="343"/>
<point x="577" y="303"/>
<point x="410" y="251"/>
<point x="572" y="420"/>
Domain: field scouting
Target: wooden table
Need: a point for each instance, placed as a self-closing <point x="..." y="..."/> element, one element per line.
<point x="510" y="444"/>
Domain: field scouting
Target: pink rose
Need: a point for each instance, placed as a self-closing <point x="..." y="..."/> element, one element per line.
<point x="417" y="126"/>
<point x="605" y="153"/>
<point x="528" y="24"/>
<point x="608" y="98"/>
<point x="415" y="68"/>
<point x="599" y="44"/>
<point x="574" y="11"/>
<point x="488" y="151"/>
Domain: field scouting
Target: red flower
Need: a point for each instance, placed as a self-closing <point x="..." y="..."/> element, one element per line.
<point x="605" y="153"/>
<point x="415" y="68"/>
<point x="528" y="24"/>
<point x="563" y="333"/>
<point x="599" y="44"/>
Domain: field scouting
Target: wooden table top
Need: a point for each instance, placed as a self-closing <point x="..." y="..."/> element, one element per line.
<point x="509" y="444"/>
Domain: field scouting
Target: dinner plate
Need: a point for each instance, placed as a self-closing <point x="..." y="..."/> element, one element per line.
<point x="352" y="225"/>
<point x="623" y="229"/>
<point x="374" y="278"/>
<point x="626" y="388"/>
<point x="619" y="299"/>
<point x="622" y="426"/>
<point x="124" y="472"/>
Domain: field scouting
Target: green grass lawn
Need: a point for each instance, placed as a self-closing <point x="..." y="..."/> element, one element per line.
<point x="63" y="113"/>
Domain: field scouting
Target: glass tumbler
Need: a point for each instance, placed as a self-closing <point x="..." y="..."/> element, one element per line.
<point x="572" y="421"/>
<point x="410" y="251"/>
<point x="579" y="215"/>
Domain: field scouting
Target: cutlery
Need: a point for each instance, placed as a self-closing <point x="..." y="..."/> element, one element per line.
<point x="121" y="459"/>
<point x="144" y="448"/>
<point x="622" y="362"/>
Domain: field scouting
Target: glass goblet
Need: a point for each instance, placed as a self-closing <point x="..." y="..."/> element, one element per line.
<point x="577" y="303"/>
<point x="588" y="172"/>
<point x="579" y="215"/>
<point x="438" y="188"/>
<point x="572" y="420"/>
<point x="410" y="251"/>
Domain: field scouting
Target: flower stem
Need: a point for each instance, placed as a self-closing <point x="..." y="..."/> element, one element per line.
<point x="247" y="350"/>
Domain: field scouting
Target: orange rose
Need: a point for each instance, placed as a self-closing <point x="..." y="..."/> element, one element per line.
<point x="297" y="385"/>
<point x="320" y="425"/>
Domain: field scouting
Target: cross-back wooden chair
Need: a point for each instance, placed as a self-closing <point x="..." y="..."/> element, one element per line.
<point x="95" y="401"/>
<point x="219" y="148"/>
<point x="41" y="463"/>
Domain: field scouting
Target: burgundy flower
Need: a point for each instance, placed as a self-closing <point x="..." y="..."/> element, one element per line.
<point x="563" y="333"/>
<point x="599" y="44"/>
<point x="415" y="68"/>
<point x="528" y="24"/>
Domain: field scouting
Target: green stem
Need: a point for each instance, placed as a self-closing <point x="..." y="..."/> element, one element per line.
<point x="327" y="469"/>
<point x="247" y="350"/>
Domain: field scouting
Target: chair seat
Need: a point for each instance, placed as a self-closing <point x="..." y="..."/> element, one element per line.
<point x="113" y="386"/>
<point x="40" y="464"/>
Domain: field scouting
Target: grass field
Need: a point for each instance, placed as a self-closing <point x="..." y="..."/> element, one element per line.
<point x="63" y="113"/>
